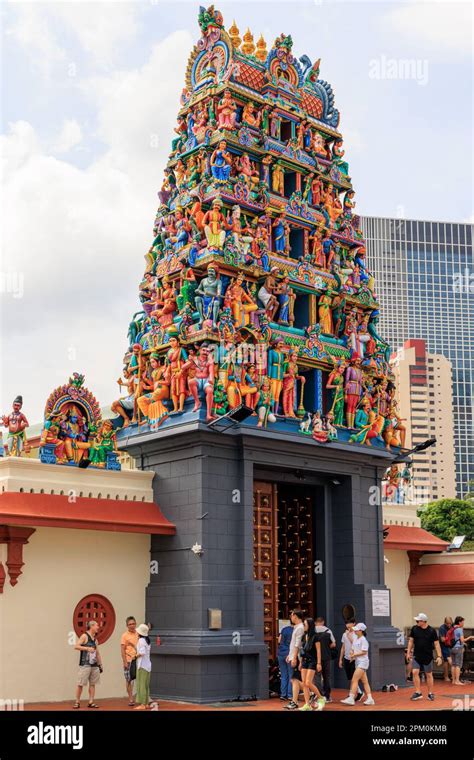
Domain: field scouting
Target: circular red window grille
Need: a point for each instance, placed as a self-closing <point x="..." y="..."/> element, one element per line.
<point x="95" y="607"/>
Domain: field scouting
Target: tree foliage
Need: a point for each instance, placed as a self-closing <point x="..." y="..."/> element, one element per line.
<point x="447" y="518"/>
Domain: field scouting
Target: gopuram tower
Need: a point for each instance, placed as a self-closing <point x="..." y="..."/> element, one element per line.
<point x="258" y="388"/>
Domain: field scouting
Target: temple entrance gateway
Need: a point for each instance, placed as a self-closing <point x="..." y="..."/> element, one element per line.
<point x="284" y="552"/>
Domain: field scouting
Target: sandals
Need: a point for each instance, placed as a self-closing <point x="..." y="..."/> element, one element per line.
<point x="93" y="704"/>
<point x="76" y="705"/>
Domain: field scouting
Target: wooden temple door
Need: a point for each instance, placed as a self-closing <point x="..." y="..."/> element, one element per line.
<point x="295" y="551"/>
<point x="265" y="557"/>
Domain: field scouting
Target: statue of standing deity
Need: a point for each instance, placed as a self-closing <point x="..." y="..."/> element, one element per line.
<point x="278" y="179"/>
<point x="214" y="223"/>
<point x="176" y="371"/>
<point x="336" y="384"/>
<point x="276" y="370"/>
<point x="201" y="379"/>
<point x="290" y="376"/>
<point x="352" y="389"/>
<point x="226" y="111"/>
<point x="16" y="423"/>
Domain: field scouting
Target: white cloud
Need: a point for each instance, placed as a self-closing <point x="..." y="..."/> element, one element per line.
<point x="31" y="29"/>
<point x="78" y="235"/>
<point x="443" y="28"/>
<point x="69" y="136"/>
<point x="102" y="29"/>
<point x="136" y="109"/>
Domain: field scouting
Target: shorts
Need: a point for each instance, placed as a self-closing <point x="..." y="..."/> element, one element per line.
<point x="425" y="668"/>
<point x="126" y="672"/>
<point x="296" y="673"/>
<point x="88" y="674"/>
<point x="308" y="663"/>
<point x="445" y="653"/>
<point x="457" y="656"/>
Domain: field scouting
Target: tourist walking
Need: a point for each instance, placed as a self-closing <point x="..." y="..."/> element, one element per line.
<point x="347" y="641"/>
<point x="420" y="649"/>
<point x="286" y="670"/>
<point x="128" y="649"/>
<point x="457" y="650"/>
<point x="360" y="656"/>
<point x="445" y="647"/>
<point x="326" y="639"/>
<point x="143" y="667"/>
<point x="90" y="663"/>
<point x="296" y="617"/>
<point x="310" y="663"/>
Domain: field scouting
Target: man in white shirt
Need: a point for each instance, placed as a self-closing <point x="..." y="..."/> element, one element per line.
<point x="296" y="617"/>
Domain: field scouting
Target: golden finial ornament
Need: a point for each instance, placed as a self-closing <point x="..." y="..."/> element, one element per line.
<point x="234" y="35"/>
<point x="248" y="46"/>
<point x="261" y="54"/>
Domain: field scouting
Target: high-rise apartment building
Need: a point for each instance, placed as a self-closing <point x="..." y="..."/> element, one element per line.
<point x="425" y="284"/>
<point x="426" y="404"/>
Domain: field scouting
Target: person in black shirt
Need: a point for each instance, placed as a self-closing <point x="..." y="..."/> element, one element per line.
<point x="327" y="642"/>
<point x="420" y="649"/>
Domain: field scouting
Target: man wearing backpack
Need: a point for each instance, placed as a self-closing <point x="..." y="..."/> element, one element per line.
<point x="420" y="648"/>
<point x="443" y="632"/>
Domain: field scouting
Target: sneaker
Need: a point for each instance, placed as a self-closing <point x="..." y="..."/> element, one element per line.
<point x="369" y="701"/>
<point x="349" y="700"/>
<point x="416" y="695"/>
<point x="328" y="700"/>
<point x="431" y="697"/>
<point x="320" y="703"/>
<point x="305" y="708"/>
<point x="359" y="695"/>
<point x="290" y="706"/>
<point x="312" y="697"/>
<point x="283" y="699"/>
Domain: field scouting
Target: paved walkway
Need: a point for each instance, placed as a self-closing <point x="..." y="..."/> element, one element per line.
<point x="448" y="697"/>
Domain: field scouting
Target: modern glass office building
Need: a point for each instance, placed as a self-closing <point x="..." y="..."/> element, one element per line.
<point x="425" y="276"/>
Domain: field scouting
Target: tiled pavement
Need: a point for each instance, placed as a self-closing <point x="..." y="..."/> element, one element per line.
<point x="448" y="697"/>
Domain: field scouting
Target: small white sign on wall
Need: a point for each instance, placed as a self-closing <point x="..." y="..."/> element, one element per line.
<point x="380" y="602"/>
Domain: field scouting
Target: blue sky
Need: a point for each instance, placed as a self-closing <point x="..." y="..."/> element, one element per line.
<point x="90" y="95"/>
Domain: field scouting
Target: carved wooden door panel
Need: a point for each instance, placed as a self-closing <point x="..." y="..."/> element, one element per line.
<point x="295" y="539"/>
<point x="265" y="543"/>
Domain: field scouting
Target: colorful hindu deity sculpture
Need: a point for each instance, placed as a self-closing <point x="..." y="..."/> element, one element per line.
<point x="241" y="303"/>
<point x="256" y="248"/>
<point x="151" y="403"/>
<point x="221" y="163"/>
<point x="105" y="441"/>
<point x="208" y="296"/>
<point x="176" y="372"/>
<point x="276" y="370"/>
<point x="290" y="376"/>
<point x="74" y="433"/>
<point x="214" y="225"/>
<point x="278" y="179"/>
<point x="226" y="111"/>
<point x="265" y="403"/>
<point x="335" y="383"/>
<point x="201" y="379"/>
<point x="17" y="424"/>
<point x="352" y="389"/>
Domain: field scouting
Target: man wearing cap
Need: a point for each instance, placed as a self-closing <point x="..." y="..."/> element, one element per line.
<point x="420" y="649"/>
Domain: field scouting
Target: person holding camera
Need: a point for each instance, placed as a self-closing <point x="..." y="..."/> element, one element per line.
<point x="90" y="663"/>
